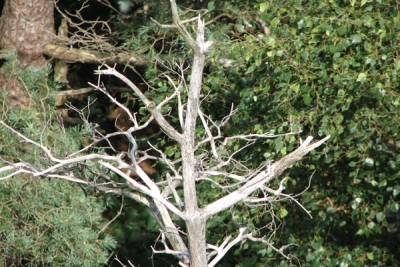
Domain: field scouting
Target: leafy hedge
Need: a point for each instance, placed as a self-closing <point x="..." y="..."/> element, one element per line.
<point x="331" y="68"/>
<point x="326" y="68"/>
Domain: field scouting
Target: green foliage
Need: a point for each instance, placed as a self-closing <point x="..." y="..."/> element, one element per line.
<point x="332" y="69"/>
<point x="325" y="68"/>
<point x="34" y="79"/>
<point x="45" y="222"/>
<point x="52" y="223"/>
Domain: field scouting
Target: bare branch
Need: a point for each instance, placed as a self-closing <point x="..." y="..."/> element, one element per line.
<point x="272" y="172"/>
<point x="224" y="174"/>
<point x="178" y="200"/>
<point x="166" y="160"/>
<point x="183" y="255"/>
<point x="180" y="106"/>
<point x="225" y="246"/>
<point x="135" y="185"/>
<point x="164" y="26"/>
<point x="213" y="147"/>
<point x="181" y="28"/>
<point x="115" y="217"/>
<point x="271" y="245"/>
<point x="149" y="104"/>
<point x="230" y="158"/>
<point x="48" y="152"/>
<point x="71" y="54"/>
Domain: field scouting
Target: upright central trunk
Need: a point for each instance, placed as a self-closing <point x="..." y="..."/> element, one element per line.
<point x="196" y="231"/>
<point x="195" y="222"/>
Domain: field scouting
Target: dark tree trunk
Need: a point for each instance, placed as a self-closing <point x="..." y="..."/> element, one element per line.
<point x="27" y="26"/>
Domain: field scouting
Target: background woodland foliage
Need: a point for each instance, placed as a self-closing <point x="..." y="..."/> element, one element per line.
<point x="325" y="67"/>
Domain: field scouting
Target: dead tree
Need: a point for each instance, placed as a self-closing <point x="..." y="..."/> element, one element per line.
<point x="162" y="198"/>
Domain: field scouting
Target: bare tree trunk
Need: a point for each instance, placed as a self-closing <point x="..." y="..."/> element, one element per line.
<point x="195" y="221"/>
<point x="27" y="26"/>
<point x="196" y="232"/>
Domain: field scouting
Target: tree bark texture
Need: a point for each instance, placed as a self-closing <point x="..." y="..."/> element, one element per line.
<point x="27" y="26"/>
<point x="196" y="232"/>
<point x="195" y="220"/>
<point x="90" y="56"/>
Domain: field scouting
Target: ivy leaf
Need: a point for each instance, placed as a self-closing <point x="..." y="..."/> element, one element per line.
<point x="362" y="77"/>
<point x="307" y="99"/>
<point x="370" y="256"/>
<point x="263" y="7"/>
<point x="353" y="164"/>
<point x="282" y="213"/>
<point x="355" y="39"/>
<point x="240" y="27"/>
<point x="235" y="118"/>
<point x="210" y="6"/>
